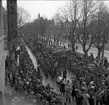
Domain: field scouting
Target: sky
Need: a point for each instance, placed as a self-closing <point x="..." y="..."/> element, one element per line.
<point x="46" y="8"/>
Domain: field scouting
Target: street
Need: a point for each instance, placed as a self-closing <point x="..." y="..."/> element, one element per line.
<point x="8" y="90"/>
<point x="92" y="49"/>
<point x="49" y="80"/>
<point x="45" y="80"/>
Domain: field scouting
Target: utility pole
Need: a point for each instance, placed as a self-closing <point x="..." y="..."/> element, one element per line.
<point x="12" y="26"/>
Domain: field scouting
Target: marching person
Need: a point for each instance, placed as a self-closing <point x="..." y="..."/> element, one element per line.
<point x="62" y="88"/>
<point x="105" y="62"/>
<point x="64" y="74"/>
<point x="68" y="92"/>
<point x="73" y="93"/>
<point x="76" y="47"/>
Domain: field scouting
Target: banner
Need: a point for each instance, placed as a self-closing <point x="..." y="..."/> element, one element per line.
<point x="35" y="63"/>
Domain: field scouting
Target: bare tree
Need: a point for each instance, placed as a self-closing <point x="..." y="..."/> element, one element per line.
<point x="74" y="16"/>
<point x="88" y="8"/>
<point x="100" y="23"/>
<point x="57" y="18"/>
<point x="68" y="16"/>
<point x="23" y="16"/>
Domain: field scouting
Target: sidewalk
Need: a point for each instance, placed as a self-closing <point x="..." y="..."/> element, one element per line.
<point x="92" y="50"/>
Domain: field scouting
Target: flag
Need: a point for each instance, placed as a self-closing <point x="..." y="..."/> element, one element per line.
<point x="33" y="58"/>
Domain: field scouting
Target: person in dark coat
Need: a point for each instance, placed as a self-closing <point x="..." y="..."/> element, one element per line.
<point x="6" y="62"/>
<point x="79" y="98"/>
<point x="76" y="48"/>
<point x="106" y="97"/>
<point x="91" y="100"/>
<point x="106" y="63"/>
<point x="65" y="74"/>
<point x="62" y="88"/>
<point x="64" y="47"/>
<point x="73" y="94"/>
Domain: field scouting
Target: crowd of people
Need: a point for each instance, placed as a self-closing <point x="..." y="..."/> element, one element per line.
<point x="91" y="78"/>
<point x="89" y="85"/>
<point x="26" y="80"/>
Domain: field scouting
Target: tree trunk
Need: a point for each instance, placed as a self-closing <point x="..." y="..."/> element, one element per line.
<point x="98" y="55"/>
<point x="85" y="52"/>
<point x="73" y="46"/>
